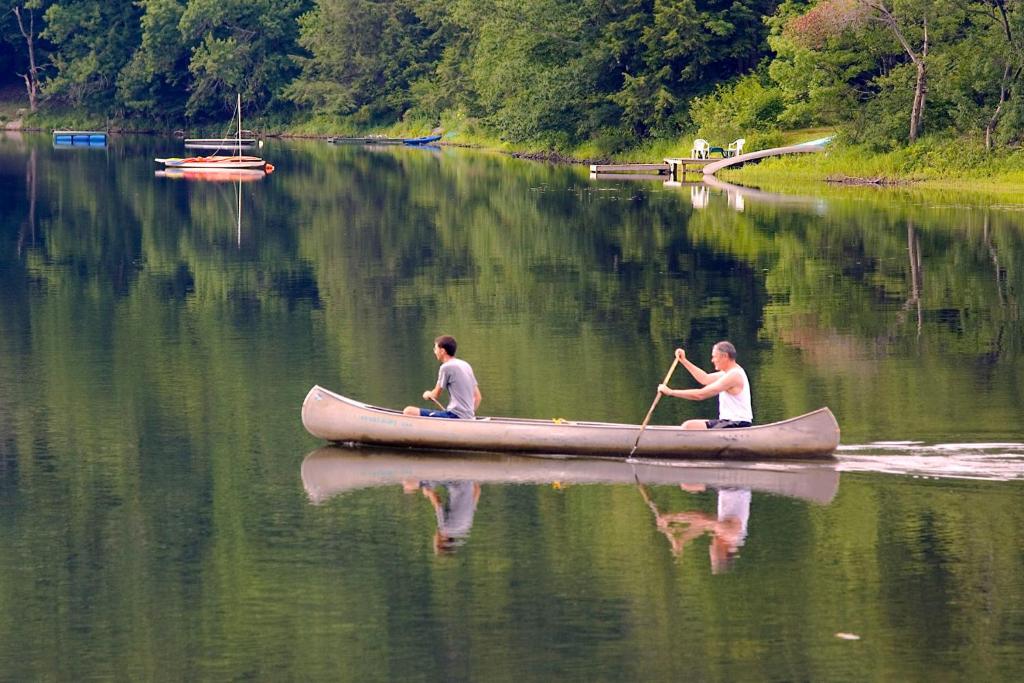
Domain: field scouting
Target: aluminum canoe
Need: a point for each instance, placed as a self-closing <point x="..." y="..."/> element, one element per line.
<point x="333" y="417"/>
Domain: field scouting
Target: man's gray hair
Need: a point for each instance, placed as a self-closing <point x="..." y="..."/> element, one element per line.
<point x="727" y="348"/>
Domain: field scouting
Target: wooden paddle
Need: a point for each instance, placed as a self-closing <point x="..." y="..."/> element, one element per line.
<point x="438" y="404"/>
<point x="657" y="397"/>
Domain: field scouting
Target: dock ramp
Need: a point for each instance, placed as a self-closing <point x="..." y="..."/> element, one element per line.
<point x="802" y="148"/>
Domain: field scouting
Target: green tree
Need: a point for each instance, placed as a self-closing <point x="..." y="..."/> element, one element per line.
<point x="534" y="66"/>
<point x="912" y="28"/>
<point x="238" y="46"/>
<point x="364" y="56"/>
<point x="93" y="40"/>
<point x="686" y="48"/>
<point x="155" y="81"/>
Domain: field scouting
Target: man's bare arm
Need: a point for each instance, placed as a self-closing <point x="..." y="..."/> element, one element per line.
<point x="702" y="377"/>
<point x="723" y="382"/>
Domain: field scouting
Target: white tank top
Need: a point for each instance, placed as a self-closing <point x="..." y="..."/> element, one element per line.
<point x="736" y="406"/>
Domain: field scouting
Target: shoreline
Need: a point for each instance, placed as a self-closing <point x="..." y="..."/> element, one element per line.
<point x="841" y="166"/>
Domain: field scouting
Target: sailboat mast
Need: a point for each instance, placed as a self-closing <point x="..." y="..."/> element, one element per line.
<point x="238" y="106"/>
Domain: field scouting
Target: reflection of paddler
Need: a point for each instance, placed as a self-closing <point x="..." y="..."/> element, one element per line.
<point x="454" y="514"/>
<point x="728" y="528"/>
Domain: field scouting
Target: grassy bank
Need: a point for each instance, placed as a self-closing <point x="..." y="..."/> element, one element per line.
<point x="932" y="162"/>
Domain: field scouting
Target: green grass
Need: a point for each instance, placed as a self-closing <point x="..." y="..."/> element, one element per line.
<point x="933" y="162"/>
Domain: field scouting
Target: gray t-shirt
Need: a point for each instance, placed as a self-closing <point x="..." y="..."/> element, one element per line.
<point x="457" y="378"/>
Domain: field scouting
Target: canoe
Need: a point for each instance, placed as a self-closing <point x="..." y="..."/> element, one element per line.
<point x="421" y="141"/>
<point x="330" y="416"/>
<point x="333" y="470"/>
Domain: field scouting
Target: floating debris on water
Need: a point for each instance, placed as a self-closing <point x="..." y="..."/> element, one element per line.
<point x="847" y="636"/>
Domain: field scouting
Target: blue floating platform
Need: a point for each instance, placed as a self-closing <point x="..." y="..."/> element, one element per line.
<point x="80" y="138"/>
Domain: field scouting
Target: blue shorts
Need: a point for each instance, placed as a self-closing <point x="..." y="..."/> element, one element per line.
<point x="424" y="412"/>
<point x="726" y="424"/>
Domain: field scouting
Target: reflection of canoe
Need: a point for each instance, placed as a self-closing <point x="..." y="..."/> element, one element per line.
<point x="332" y="470"/>
<point x="333" y="417"/>
<point x="426" y="139"/>
<point x="236" y="175"/>
<point x="217" y="163"/>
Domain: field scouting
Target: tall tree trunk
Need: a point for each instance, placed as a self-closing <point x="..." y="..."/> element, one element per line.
<point x="1010" y="75"/>
<point x="885" y="16"/>
<point x="31" y="77"/>
<point x="992" y="122"/>
<point x="917" y="109"/>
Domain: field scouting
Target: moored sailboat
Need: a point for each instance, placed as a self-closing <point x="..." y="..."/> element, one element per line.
<point x="218" y="163"/>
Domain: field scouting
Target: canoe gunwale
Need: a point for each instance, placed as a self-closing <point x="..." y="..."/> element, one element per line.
<point x="566" y="423"/>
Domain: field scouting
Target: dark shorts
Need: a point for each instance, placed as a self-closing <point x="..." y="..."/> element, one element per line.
<point x="726" y="424"/>
<point x="437" y="413"/>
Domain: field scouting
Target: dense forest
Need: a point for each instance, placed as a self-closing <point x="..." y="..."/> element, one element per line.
<point x="556" y="72"/>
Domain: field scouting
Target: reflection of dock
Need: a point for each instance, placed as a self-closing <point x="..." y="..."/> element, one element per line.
<point x="652" y="169"/>
<point x="628" y="176"/>
<point x="737" y="196"/>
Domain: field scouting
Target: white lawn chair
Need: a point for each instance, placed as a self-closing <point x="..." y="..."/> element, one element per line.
<point x="701" y="149"/>
<point x="735" y="147"/>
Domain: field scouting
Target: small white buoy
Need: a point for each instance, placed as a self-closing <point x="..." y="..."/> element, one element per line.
<point x="847" y="636"/>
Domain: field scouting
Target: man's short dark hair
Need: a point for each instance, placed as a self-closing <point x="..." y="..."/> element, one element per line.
<point x="727" y="348"/>
<point x="448" y="343"/>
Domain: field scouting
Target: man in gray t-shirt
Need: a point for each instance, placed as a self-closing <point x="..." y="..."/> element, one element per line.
<point x="454" y="376"/>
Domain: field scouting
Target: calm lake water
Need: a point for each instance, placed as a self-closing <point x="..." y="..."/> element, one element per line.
<point x="164" y="516"/>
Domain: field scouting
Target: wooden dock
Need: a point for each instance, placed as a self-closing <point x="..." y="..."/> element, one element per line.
<point x="655" y="169"/>
<point x="678" y="166"/>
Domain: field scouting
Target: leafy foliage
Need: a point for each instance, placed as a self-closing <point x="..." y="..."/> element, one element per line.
<point x="549" y="72"/>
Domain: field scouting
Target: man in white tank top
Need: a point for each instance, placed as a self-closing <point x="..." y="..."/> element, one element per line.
<point x="729" y="382"/>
